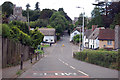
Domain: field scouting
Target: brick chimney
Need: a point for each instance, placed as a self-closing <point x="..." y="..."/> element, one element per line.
<point x="94" y="27"/>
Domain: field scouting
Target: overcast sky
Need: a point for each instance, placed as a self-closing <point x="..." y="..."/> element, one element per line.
<point x="68" y="5"/>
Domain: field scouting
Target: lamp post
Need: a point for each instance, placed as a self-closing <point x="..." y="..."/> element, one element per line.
<point x="82" y="29"/>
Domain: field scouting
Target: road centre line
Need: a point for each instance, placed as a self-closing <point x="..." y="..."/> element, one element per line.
<point x="72" y="67"/>
<point x="75" y="68"/>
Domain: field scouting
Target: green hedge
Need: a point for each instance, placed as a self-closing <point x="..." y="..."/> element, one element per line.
<point x="107" y="59"/>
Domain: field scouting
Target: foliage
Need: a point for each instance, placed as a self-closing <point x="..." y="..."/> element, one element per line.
<point x="38" y="23"/>
<point x="116" y="21"/>
<point x="37" y="6"/>
<point x="77" y="39"/>
<point x="105" y="13"/>
<point x="21" y="25"/>
<point x="46" y="14"/>
<point x="99" y="57"/>
<point x="96" y="18"/>
<point x="33" y="14"/>
<point x="58" y="22"/>
<point x="7" y="8"/>
<point x="5" y="31"/>
<point x="20" y="36"/>
<point x="80" y="20"/>
<point x="37" y="37"/>
<point x="61" y="10"/>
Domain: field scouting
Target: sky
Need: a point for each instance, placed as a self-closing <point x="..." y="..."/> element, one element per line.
<point x="69" y="6"/>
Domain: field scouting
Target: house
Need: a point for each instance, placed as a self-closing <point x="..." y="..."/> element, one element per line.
<point x="49" y="35"/>
<point x="86" y="35"/>
<point x="17" y="14"/>
<point x="106" y="38"/>
<point x="75" y="32"/>
<point x="117" y="37"/>
<point x="93" y="38"/>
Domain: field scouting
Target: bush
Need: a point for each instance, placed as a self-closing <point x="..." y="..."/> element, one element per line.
<point x="99" y="57"/>
<point x="5" y="31"/>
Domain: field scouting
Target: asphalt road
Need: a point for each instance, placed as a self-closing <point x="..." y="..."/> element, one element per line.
<point x="59" y="63"/>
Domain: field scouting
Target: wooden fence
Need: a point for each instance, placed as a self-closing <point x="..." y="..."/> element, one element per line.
<point x="11" y="52"/>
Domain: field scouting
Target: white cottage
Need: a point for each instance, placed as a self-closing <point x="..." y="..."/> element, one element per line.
<point x="75" y="32"/>
<point x="49" y="34"/>
<point x="86" y="35"/>
<point x="93" y="38"/>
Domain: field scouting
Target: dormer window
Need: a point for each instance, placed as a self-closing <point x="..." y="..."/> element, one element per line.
<point x="75" y="33"/>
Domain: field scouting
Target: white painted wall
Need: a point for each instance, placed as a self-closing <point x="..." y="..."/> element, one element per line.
<point x="93" y="43"/>
<point x="85" y="41"/>
<point x="50" y="39"/>
<point x="73" y="34"/>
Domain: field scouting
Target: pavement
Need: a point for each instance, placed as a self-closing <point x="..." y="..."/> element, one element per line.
<point x="10" y="72"/>
<point x="59" y="63"/>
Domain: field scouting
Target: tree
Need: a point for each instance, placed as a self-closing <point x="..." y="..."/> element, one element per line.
<point x="80" y="20"/>
<point x="46" y="14"/>
<point x="77" y="38"/>
<point x="37" y="6"/>
<point x="61" y="10"/>
<point x="21" y="25"/>
<point x="7" y="8"/>
<point x="37" y="38"/>
<point x="97" y="18"/>
<point x="59" y="22"/>
<point x="116" y="21"/>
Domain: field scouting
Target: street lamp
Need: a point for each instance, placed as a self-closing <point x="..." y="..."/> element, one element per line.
<point x="82" y="28"/>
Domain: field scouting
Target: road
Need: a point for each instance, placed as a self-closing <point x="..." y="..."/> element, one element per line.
<point x="59" y="63"/>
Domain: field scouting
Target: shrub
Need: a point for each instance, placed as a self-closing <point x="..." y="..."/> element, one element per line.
<point x="99" y="57"/>
<point x="5" y="31"/>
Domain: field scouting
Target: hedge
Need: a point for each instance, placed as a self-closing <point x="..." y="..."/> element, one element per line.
<point x="107" y="59"/>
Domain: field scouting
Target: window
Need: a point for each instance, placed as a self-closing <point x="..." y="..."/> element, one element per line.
<point x="109" y="42"/>
<point x="75" y="33"/>
<point x="46" y="40"/>
<point x="51" y="40"/>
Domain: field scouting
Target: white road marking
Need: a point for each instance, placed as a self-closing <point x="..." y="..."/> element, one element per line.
<point x="66" y="64"/>
<point x="83" y="73"/>
<point x="56" y="74"/>
<point x="72" y="67"/>
<point x="34" y="73"/>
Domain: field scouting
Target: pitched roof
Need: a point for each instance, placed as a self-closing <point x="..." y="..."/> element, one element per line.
<point x="88" y="32"/>
<point x="94" y="34"/>
<point x="106" y="34"/>
<point x="79" y="29"/>
<point x="47" y="31"/>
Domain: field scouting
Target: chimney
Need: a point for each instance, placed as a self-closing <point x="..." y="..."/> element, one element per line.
<point x="94" y="27"/>
<point x="117" y="37"/>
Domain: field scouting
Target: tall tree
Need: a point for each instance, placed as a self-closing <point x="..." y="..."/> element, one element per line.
<point x="37" y="6"/>
<point x="61" y="10"/>
<point x="96" y="18"/>
<point x="7" y="8"/>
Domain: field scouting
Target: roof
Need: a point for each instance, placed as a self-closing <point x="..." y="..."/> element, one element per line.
<point x="77" y="28"/>
<point x="47" y="31"/>
<point x="88" y="32"/>
<point x="94" y="34"/>
<point x="106" y="34"/>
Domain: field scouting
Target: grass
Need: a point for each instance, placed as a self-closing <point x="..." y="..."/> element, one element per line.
<point x="19" y="72"/>
<point x="41" y="51"/>
<point x="44" y="46"/>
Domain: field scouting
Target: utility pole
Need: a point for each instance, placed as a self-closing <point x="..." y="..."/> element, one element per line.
<point x="82" y="29"/>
